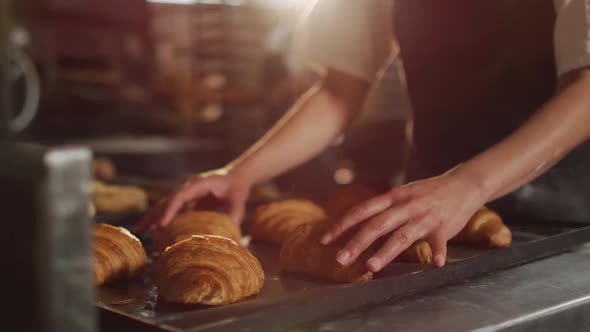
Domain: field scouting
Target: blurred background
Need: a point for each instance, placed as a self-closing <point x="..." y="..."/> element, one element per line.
<point x="168" y="88"/>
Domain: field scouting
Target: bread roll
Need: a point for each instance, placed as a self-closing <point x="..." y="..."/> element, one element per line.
<point x="117" y="254"/>
<point x="418" y="252"/>
<point x="209" y="270"/>
<point x="303" y="253"/>
<point x="271" y="223"/>
<point x="485" y="229"/>
<point x="110" y="199"/>
<point x="191" y="223"/>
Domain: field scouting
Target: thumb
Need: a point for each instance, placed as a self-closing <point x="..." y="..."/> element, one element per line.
<point x="439" y="252"/>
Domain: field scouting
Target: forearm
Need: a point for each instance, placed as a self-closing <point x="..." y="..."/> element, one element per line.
<point x="309" y="127"/>
<point x="557" y="128"/>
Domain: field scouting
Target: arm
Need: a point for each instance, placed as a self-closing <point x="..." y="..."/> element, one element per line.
<point x="557" y="128"/>
<point x="316" y="119"/>
<point x="306" y="130"/>
<point x="436" y="209"/>
<point x="311" y="125"/>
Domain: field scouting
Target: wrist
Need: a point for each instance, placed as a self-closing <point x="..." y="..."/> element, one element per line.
<point x="474" y="178"/>
<point x="241" y="174"/>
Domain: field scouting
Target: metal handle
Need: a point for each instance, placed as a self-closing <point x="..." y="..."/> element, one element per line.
<point x="21" y="62"/>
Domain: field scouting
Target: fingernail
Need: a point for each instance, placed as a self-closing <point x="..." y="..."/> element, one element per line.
<point x="343" y="256"/>
<point x="375" y="264"/>
<point x="326" y="238"/>
<point x="439" y="261"/>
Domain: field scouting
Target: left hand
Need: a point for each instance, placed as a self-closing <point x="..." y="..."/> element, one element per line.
<point x="434" y="209"/>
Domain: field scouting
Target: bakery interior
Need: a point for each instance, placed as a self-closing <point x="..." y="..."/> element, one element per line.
<point x="132" y="97"/>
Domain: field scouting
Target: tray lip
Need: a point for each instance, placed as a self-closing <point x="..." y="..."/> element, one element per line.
<point x="147" y="321"/>
<point x="279" y="313"/>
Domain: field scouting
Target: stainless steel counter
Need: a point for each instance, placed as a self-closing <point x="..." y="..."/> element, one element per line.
<point x="552" y="294"/>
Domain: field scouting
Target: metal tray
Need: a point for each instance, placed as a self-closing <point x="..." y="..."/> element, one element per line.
<point x="289" y="300"/>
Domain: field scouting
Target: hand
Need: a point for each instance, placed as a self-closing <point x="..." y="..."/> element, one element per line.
<point x="221" y="184"/>
<point x="435" y="209"/>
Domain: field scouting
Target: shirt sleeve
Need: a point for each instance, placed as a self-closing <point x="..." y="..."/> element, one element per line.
<point x="351" y="36"/>
<point x="572" y="35"/>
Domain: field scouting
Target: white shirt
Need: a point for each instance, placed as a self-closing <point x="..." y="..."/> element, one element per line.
<point x="355" y="36"/>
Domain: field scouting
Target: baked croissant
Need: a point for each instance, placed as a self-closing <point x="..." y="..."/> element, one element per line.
<point x="109" y="199"/>
<point x="344" y="200"/>
<point x="418" y="252"/>
<point x="196" y="223"/>
<point x="205" y="269"/>
<point x="272" y="222"/>
<point x="485" y="229"/>
<point x="302" y="252"/>
<point x="117" y="254"/>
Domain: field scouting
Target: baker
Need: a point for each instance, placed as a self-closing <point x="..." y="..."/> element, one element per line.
<point x="500" y="92"/>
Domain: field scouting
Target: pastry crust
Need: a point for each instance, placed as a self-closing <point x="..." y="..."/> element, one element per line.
<point x="117" y="254"/>
<point x="205" y="269"/>
<point x="191" y="223"/>
<point x="303" y="253"/>
<point x="418" y="252"/>
<point x="110" y="199"/>
<point x="271" y="223"/>
<point x="485" y="229"/>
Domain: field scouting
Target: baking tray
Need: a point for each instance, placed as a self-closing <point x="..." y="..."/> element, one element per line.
<point x="288" y="300"/>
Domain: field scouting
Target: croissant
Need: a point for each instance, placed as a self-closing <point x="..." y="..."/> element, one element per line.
<point x="206" y="269"/>
<point x="117" y="254"/>
<point x="418" y="252"/>
<point x="303" y="253"/>
<point x="196" y="223"/>
<point x="344" y="200"/>
<point x="272" y="222"/>
<point x="110" y="199"/>
<point x="485" y="229"/>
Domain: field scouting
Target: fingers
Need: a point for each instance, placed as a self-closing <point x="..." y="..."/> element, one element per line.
<point x="399" y="241"/>
<point x="175" y="204"/>
<point x="439" y="252"/>
<point x="149" y="219"/>
<point x="366" y="210"/>
<point x="189" y="206"/>
<point x="370" y="232"/>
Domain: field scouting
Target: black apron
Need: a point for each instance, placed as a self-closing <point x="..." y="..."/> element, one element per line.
<point x="476" y="70"/>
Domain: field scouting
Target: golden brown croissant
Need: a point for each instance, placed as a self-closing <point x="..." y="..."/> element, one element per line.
<point x="418" y="252"/>
<point x="272" y="222"/>
<point x="117" y="254"/>
<point x="117" y="199"/>
<point x="302" y="252"/>
<point x="196" y="223"/>
<point x="347" y="198"/>
<point x="205" y="269"/>
<point x="485" y="229"/>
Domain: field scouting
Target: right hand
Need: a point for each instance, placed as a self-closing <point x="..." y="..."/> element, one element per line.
<point x="220" y="184"/>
